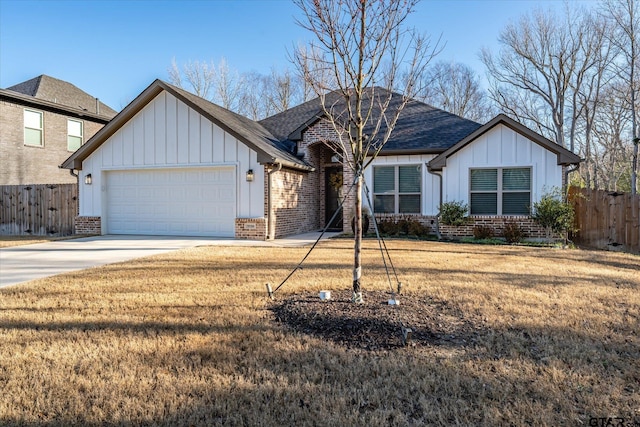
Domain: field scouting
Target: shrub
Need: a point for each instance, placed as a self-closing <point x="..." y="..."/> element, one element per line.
<point x="512" y="232"/>
<point x="403" y="226"/>
<point x="453" y="213"/>
<point x="388" y="227"/>
<point x="482" y="232"/>
<point x="415" y="228"/>
<point x="554" y="214"/>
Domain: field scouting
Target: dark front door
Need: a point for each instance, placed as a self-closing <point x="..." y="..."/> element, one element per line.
<point x="333" y="196"/>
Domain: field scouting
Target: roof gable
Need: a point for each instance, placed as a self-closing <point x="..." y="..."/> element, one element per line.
<point x="57" y="91"/>
<point x="247" y="131"/>
<point x="565" y="157"/>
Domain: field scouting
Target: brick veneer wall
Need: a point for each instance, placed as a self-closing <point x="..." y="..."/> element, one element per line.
<point x="31" y="164"/>
<point x="251" y="228"/>
<point x="530" y="228"/>
<point x="88" y="225"/>
<point x="295" y="202"/>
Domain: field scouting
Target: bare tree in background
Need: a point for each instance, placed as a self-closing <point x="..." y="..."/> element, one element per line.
<point x="531" y="76"/>
<point x="625" y="18"/>
<point x="455" y="87"/>
<point x="220" y="84"/>
<point x="611" y="151"/>
<point x="195" y="76"/>
<point x="361" y="51"/>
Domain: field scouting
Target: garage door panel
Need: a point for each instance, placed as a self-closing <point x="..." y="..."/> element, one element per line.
<point x="199" y="202"/>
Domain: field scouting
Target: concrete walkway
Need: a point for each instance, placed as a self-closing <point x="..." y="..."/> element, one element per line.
<point x="20" y="264"/>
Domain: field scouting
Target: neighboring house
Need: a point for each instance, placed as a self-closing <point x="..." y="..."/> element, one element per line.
<point x="42" y="121"/>
<point x="171" y="163"/>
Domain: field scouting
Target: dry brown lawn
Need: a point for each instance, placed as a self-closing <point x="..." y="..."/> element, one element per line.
<point x="189" y="338"/>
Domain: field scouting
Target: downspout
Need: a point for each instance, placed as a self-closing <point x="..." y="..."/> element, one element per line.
<point x="77" y="213"/>
<point x="440" y="199"/>
<point x="270" y="226"/>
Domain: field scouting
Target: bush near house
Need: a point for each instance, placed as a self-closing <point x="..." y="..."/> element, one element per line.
<point x="554" y="214"/>
<point x="453" y="213"/>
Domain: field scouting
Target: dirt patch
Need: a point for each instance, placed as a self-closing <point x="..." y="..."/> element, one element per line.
<point x="375" y="324"/>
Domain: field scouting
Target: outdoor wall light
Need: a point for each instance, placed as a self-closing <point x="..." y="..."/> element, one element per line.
<point x="250" y="175"/>
<point x="87" y="179"/>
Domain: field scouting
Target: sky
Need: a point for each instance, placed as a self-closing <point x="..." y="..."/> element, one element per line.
<point x="114" y="49"/>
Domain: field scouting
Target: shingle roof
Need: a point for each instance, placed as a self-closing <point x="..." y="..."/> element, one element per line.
<point x="420" y="127"/>
<point x="60" y="92"/>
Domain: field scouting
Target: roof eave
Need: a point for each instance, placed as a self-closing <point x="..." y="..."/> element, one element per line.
<point x="43" y="104"/>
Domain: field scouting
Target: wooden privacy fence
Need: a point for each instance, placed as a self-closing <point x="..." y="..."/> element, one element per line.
<point x="40" y="210"/>
<point x="607" y="220"/>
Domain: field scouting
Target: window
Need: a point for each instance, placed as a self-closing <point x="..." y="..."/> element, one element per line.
<point x="74" y="135"/>
<point x="33" y="128"/>
<point x="397" y="189"/>
<point x="501" y="191"/>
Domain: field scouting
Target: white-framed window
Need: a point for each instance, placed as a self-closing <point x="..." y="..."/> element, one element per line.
<point x="500" y="191"/>
<point x="74" y="134"/>
<point x="397" y="189"/>
<point x="33" y="124"/>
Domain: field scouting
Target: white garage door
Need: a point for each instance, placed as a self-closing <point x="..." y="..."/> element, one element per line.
<point x="172" y="202"/>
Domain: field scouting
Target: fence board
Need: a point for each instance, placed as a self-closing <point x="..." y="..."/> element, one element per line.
<point x="39" y="210"/>
<point x="607" y="220"/>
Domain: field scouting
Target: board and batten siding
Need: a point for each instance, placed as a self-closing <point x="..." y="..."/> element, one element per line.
<point x="168" y="133"/>
<point x="501" y="147"/>
<point x="430" y="186"/>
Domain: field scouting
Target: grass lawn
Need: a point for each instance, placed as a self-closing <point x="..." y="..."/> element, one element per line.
<point x="188" y="338"/>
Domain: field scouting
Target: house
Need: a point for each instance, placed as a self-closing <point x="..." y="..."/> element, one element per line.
<point x="42" y="121"/>
<point x="173" y="163"/>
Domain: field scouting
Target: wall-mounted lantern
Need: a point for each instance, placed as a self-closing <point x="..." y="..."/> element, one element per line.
<point x="250" y="175"/>
<point x="87" y="179"/>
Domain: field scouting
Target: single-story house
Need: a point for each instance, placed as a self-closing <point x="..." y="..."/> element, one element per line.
<point x="172" y="163"/>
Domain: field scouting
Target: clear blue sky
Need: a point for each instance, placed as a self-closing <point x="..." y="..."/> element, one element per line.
<point x="114" y="49"/>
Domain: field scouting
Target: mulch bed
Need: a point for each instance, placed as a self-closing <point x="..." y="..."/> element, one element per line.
<point x="375" y="325"/>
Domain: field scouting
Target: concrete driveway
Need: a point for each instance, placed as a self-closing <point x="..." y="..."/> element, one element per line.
<point x="20" y="264"/>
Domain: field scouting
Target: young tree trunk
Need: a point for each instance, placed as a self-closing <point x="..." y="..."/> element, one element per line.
<point x="357" y="243"/>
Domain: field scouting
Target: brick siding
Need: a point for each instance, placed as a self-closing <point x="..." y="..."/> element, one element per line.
<point x="529" y="227"/>
<point x="88" y="225"/>
<point x="251" y="228"/>
<point x="36" y="165"/>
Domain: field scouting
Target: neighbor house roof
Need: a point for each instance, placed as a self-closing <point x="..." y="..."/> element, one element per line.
<point x="246" y="130"/>
<point x="55" y="91"/>
<point x="421" y="128"/>
<point x="565" y="157"/>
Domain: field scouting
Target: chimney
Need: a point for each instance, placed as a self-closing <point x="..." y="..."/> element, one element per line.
<point x="97" y="106"/>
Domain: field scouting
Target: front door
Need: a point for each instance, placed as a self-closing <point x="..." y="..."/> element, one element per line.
<point x="333" y="197"/>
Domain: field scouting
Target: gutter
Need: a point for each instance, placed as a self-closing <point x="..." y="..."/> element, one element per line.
<point x="270" y="225"/>
<point x="439" y="175"/>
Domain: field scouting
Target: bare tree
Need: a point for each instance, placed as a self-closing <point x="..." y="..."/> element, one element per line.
<point x="361" y="50"/>
<point x="455" y="87"/>
<point x="220" y="84"/>
<point x="625" y="17"/>
<point x="611" y="151"/>
<point x="195" y="76"/>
